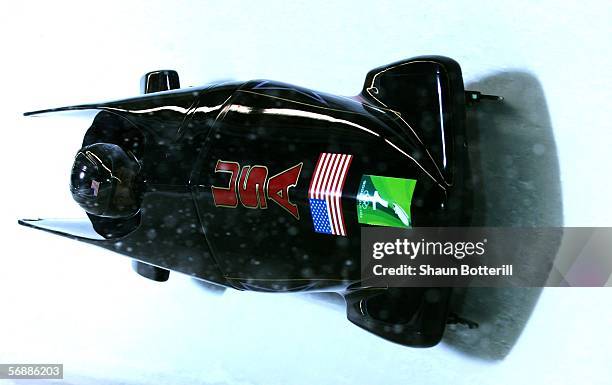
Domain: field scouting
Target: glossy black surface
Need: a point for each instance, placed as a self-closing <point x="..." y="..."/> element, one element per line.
<point x="408" y="122"/>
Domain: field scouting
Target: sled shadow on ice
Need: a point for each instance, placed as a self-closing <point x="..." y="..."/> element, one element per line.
<point x="516" y="179"/>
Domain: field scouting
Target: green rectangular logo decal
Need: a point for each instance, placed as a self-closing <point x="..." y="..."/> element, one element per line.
<point x="385" y="201"/>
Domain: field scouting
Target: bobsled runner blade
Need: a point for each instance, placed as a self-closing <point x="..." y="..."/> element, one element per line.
<point x="473" y="97"/>
<point x="80" y="228"/>
<point x="156" y="81"/>
<point x="79" y="107"/>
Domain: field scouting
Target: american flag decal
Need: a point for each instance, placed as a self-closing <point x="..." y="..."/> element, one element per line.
<point x="325" y="193"/>
<point x="95" y="186"/>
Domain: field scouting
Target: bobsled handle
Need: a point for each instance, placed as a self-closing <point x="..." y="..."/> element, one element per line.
<point x="161" y="80"/>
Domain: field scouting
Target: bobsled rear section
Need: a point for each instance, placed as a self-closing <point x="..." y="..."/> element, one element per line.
<point x="425" y="94"/>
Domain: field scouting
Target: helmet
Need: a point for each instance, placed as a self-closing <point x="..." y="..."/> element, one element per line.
<point x="105" y="181"/>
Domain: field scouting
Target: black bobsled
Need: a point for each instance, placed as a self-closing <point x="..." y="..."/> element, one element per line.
<point x="264" y="186"/>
